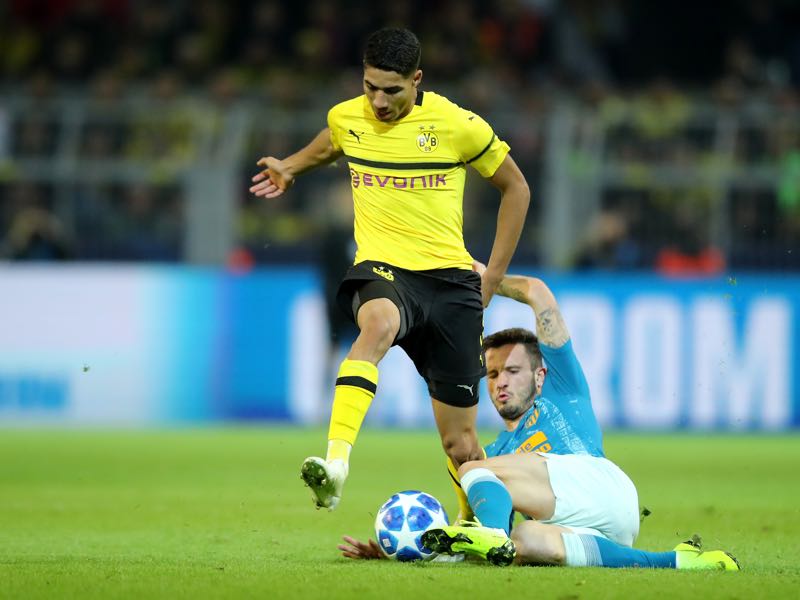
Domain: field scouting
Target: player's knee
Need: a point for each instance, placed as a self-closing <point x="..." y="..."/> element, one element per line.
<point x="468" y="466"/>
<point x="507" y="473"/>
<point x="379" y="325"/>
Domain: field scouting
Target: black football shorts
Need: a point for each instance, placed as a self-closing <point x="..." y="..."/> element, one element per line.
<point x="441" y="314"/>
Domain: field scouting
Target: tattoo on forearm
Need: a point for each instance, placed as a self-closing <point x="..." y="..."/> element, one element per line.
<point x="514" y="290"/>
<point x="550" y="328"/>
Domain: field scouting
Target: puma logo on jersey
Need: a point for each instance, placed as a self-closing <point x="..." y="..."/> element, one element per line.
<point x="356" y="135"/>
<point x="383" y="272"/>
<point x="467" y="387"/>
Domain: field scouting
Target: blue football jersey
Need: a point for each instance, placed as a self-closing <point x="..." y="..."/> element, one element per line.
<point x="561" y="419"/>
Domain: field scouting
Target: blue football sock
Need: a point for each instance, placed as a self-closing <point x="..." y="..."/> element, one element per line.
<point x="488" y="498"/>
<point x="584" y="550"/>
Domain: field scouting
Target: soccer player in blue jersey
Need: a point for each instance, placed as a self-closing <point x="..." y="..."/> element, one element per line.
<point x="548" y="465"/>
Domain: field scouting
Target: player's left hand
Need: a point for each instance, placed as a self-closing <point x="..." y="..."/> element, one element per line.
<point x="361" y="550"/>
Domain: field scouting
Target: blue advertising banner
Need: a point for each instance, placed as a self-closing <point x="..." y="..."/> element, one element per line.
<point x="153" y="345"/>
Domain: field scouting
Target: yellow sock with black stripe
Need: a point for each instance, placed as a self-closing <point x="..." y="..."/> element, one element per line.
<point x="356" y="384"/>
<point x="464" y="509"/>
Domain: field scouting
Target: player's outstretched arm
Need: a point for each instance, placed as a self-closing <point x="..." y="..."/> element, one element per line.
<point x="514" y="199"/>
<point x="550" y="326"/>
<point x="279" y="175"/>
<point x="354" y="548"/>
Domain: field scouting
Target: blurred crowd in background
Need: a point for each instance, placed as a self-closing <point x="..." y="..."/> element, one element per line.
<point x="684" y="133"/>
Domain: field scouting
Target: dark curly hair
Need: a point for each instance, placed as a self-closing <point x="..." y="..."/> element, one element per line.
<point x="391" y="49"/>
<point x="516" y="335"/>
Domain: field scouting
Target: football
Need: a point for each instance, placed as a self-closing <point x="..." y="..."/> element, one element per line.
<point x="403" y="519"/>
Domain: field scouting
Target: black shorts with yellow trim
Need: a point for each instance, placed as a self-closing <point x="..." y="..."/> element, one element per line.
<point x="441" y="322"/>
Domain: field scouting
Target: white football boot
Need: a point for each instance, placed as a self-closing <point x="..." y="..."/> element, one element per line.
<point x="326" y="480"/>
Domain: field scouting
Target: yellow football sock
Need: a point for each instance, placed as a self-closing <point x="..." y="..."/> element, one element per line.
<point x="464" y="509"/>
<point x="355" y="388"/>
<point x="339" y="449"/>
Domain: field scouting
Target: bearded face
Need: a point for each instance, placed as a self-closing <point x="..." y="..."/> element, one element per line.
<point x="513" y="382"/>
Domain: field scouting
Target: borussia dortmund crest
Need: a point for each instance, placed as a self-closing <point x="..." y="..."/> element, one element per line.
<point x="427" y="141"/>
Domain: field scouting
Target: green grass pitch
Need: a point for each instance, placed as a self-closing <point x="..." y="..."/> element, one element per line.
<point x="222" y="513"/>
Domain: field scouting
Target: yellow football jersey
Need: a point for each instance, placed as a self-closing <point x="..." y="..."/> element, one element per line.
<point x="408" y="178"/>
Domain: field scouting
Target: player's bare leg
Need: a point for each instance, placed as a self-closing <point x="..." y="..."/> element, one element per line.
<point x="457" y="431"/>
<point x="379" y="323"/>
<point x="539" y="543"/>
<point x="527" y="479"/>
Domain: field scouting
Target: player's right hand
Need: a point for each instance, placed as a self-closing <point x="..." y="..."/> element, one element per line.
<point x="489" y="284"/>
<point x="273" y="180"/>
<point x="478" y="267"/>
<point x="361" y="550"/>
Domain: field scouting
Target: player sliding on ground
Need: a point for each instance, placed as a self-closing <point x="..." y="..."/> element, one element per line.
<point x="548" y="464"/>
<point x="412" y="283"/>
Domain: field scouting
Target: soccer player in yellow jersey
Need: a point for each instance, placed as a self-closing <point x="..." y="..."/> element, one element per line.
<point x="412" y="283"/>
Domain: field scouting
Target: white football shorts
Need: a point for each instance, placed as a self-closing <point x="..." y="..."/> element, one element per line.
<point x="594" y="496"/>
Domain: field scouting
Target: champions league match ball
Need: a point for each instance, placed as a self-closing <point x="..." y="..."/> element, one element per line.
<point x="403" y="519"/>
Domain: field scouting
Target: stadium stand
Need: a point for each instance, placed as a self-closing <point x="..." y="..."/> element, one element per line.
<point x="129" y="129"/>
